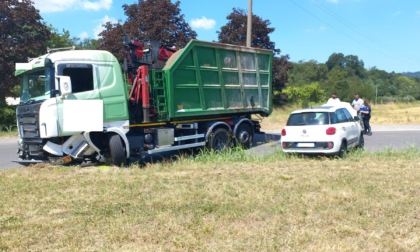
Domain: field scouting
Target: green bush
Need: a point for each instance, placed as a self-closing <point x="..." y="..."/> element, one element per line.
<point x="7" y="117"/>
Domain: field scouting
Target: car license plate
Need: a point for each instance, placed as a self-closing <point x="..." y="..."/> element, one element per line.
<point x="305" y="145"/>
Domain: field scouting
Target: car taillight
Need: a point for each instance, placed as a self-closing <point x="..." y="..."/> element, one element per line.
<point x="330" y="131"/>
<point x="283" y="132"/>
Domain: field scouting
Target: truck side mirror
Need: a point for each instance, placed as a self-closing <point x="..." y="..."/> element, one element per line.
<point x="64" y="83"/>
<point x="54" y="93"/>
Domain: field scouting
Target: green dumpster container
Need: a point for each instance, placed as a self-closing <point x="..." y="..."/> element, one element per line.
<point x="207" y="79"/>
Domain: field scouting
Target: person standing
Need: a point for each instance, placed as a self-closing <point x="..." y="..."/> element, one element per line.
<point x="357" y="104"/>
<point x="366" y="110"/>
<point x="333" y="99"/>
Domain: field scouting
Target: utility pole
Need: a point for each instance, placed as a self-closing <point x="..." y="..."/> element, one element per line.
<point x="249" y="24"/>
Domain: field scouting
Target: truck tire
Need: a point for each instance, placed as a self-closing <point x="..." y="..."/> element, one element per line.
<point x="219" y="140"/>
<point x="117" y="151"/>
<point x="245" y="135"/>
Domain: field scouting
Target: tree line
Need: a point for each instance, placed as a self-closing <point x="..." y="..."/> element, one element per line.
<point x="23" y="34"/>
<point x="346" y="75"/>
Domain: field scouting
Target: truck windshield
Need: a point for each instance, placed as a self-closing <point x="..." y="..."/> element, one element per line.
<point x="37" y="85"/>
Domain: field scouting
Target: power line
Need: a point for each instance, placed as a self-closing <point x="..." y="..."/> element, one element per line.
<point x="357" y="30"/>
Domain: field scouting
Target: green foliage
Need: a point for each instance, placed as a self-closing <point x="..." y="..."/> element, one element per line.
<point x="23" y="35"/>
<point x="59" y="40"/>
<point x="7" y="116"/>
<point x="159" y="20"/>
<point x="305" y="95"/>
<point x="281" y="66"/>
<point x="87" y="44"/>
<point x="346" y="75"/>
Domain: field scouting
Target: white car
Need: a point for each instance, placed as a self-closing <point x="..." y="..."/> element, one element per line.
<point x="328" y="129"/>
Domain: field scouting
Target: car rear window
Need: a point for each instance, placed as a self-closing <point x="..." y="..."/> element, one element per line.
<point x="308" y="118"/>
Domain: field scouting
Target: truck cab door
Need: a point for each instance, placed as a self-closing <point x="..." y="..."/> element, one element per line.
<point x="79" y="106"/>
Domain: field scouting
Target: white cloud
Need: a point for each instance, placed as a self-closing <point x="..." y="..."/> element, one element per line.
<point x="97" y="5"/>
<point x="83" y="35"/>
<point x="333" y="1"/>
<point x="203" y="23"/>
<point x="99" y="28"/>
<point x="54" y="5"/>
<point x="63" y="5"/>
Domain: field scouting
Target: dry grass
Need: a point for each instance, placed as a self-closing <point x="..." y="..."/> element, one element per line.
<point x="391" y="113"/>
<point x="232" y="202"/>
<point x="365" y="202"/>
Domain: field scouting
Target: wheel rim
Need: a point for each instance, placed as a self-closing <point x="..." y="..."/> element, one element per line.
<point x="244" y="137"/>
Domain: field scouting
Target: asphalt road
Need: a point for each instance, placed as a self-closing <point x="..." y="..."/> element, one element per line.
<point x="395" y="137"/>
<point x="8" y="148"/>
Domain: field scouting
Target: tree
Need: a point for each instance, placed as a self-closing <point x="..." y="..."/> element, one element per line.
<point x="87" y="44"/>
<point x="59" y="40"/>
<point x="356" y="66"/>
<point x="335" y="59"/>
<point x="22" y="35"/>
<point x="159" y="20"/>
<point x="234" y="32"/>
<point x="281" y="66"/>
<point x="304" y="73"/>
<point x="111" y="39"/>
<point x="305" y="95"/>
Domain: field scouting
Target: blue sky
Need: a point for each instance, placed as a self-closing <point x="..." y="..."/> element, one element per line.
<point x="383" y="33"/>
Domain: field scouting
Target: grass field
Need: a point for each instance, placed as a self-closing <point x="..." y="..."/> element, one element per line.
<point x="225" y="202"/>
<point x="231" y="202"/>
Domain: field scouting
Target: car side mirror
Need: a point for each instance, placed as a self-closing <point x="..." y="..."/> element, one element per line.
<point x="64" y="84"/>
<point x="356" y="118"/>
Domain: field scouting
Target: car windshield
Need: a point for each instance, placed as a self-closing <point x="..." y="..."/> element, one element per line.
<point x="37" y="85"/>
<point x="308" y="118"/>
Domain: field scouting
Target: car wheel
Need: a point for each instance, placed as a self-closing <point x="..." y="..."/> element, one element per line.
<point x="361" y="144"/>
<point x="343" y="149"/>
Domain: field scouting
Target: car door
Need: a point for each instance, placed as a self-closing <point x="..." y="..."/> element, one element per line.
<point x="353" y="134"/>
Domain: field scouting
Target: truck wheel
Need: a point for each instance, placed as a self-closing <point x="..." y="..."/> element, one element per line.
<point x="117" y="151"/>
<point x="219" y="140"/>
<point x="245" y="135"/>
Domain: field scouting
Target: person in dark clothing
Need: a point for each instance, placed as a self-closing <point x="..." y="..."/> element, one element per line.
<point x="365" y="111"/>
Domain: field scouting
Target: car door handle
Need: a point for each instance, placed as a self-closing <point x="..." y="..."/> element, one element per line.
<point x="344" y="128"/>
